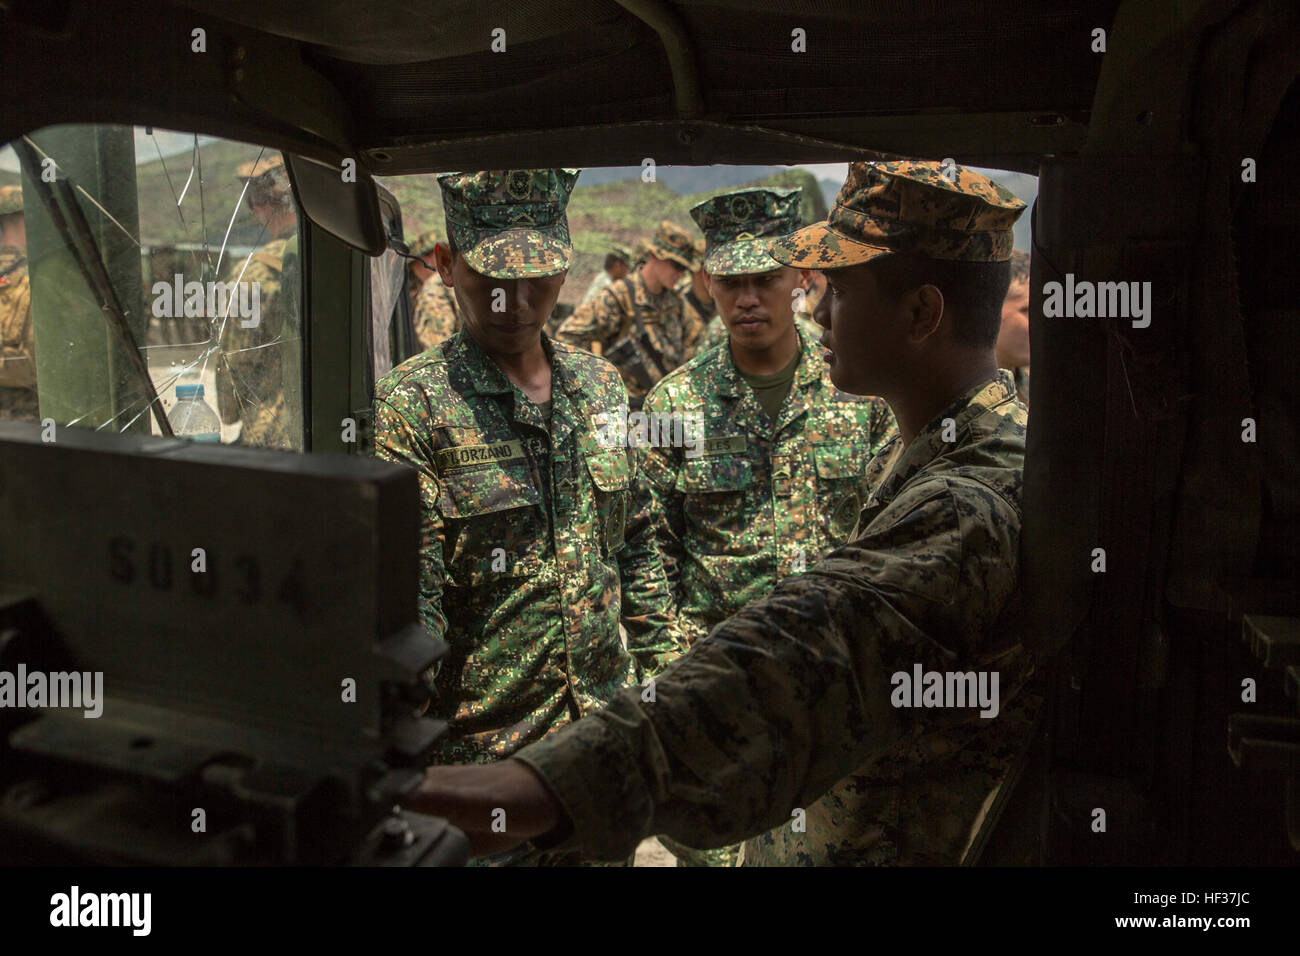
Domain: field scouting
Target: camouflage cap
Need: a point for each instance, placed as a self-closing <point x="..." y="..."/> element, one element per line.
<point x="11" y="199"/>
<point x="936" y="210"/>
<point x="622" y="253"/>
<point x="423" y="244"/>
<point x="670" y="241"/>
<point x="740" y="225"/>
<point x="510" y="223"/>
<point x="267" y="172"/>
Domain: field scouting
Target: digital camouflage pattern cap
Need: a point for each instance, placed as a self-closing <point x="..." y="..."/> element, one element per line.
<point x="510" y="223"/>
<point x="739" y="226"/>
<point x="11" y="199"/>
<point x="423" y="244"/>
<point x="267" y="172"/>
<point x="621" y="253"/>
<point x="941" y="211"/>
<point x="670" y="241"/>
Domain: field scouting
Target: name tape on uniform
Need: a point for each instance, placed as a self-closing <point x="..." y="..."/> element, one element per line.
<point x="725" y="445"/>
<point x="466" y="456"/>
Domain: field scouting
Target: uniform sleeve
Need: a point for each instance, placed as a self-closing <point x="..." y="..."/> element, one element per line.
<point x="648" y="611"/>
<point x="791" y="694"/>
<point x="396" y="440"/>
<point x="597" y="320"/>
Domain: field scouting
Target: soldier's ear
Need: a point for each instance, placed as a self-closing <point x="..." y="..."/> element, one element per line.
<point x="442" y="260"/>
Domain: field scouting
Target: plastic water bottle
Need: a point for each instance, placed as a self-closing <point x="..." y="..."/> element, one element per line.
<point x="192" y="417"/>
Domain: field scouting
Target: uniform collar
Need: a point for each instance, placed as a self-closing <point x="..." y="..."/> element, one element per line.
<point x="807" y="372"/>
<point x="747" y="413"/>
<point x="929" y="443"/>
<point x="479" y="375"/>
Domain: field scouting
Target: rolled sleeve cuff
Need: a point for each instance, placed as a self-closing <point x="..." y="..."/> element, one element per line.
<point x="597" y="781"/>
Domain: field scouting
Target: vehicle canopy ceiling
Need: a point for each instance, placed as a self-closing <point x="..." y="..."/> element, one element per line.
<point x="414" y="85"/>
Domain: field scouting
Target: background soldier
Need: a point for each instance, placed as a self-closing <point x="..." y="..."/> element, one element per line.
<point x="618" y="263"/>
<point x="789" y="712"/>
<point x="17" y="336"/>
<point x="433" y="307"/>
<point x="420" y="269"/>
<point x="251" y="376"/>
<point x="637" y="323"/>
<point x="697" y="303"/>
<point x="526" y="547"/>
<point x="783" y="474"/>
<point x="1013" y="339"/>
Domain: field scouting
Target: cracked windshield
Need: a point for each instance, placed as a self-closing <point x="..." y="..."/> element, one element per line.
<point x="150" y="281"/>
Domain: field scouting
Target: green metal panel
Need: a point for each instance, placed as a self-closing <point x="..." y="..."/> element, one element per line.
<point x="336" y="309"/>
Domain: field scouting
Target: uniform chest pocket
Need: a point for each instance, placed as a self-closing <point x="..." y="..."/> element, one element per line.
<point x="611" y="476"/>
<point x="714" y="473"/>
<point x="716" y="495"/>
<point x="840" y="471"/>
<point x="492" y="521"/>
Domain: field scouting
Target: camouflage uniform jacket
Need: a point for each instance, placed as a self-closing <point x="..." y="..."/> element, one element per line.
<point x="644" y="335"/>
<point x="525" y="545"/>
<point x="598" y="285"/>
<point x="764" y="500"/>
<point x="787" y="706"/>
<point x="17" y="338"/>
<point x="435" y="317"/>
<point x="251" y="376"/>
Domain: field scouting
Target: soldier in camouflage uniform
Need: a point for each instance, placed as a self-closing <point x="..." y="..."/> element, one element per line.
<point x="1013" y="339"/>
<point x="783" y="473"/>
<point x="258" y="373"/>
<point x="698" y="307"/>
<point x="17" y="335"/>
<point x="814" y="285"/>
<point x="420" y="269"/>
<point x="528" y="558"/>
<point x="436" y="318"/>
<point x="788" y="715"/>
<point x="638" y="321"/>
<point x="433" y="308"/>
<point x="618" y="262"/>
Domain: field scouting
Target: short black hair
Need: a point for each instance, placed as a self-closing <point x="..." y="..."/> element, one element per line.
<point x="974" y="291"/>
<point x="611" y="259"/>
<point x="451" y="245"/>
<point x="1019" y="266"/>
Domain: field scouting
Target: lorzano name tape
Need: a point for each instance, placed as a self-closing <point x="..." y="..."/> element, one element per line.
<point x="465" y="456"/>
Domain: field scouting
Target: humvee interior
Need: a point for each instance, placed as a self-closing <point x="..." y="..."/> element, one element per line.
<point x="1161" y="498"/>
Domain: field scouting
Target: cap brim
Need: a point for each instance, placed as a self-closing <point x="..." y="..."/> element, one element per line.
<point x="742" y="258"/>
<point x="520" y="254"/>
<point x="820" y="247"/>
